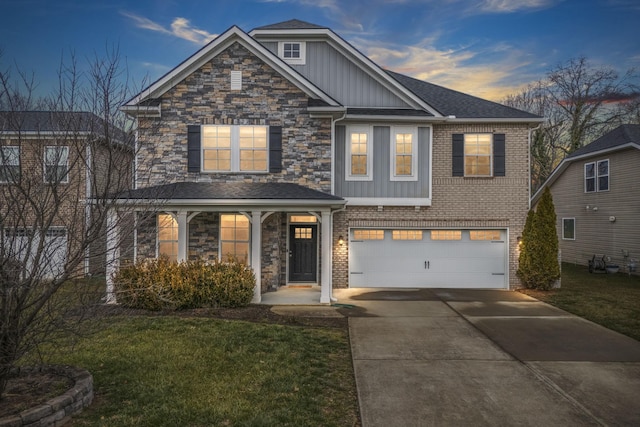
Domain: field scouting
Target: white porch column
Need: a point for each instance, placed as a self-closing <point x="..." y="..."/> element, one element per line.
<point x="113" y="253"/>
<point x="183" y="237"/>
<point x="256" y="256"/>
<point x="327" y="261"/>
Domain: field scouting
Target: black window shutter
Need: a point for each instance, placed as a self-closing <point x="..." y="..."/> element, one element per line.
<point x="275" y="149"/>
<point x="193" y="148"/>
<point x="498" y="154"/>
<point x="457" y="153"/>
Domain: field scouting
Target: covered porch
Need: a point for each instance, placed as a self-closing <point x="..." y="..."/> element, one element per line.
<point x="283" y="231"/>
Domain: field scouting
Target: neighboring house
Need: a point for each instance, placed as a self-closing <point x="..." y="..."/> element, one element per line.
<point x="288" y="148"/>
<point x="595" y="192"/>
<point x="52" y="164"/>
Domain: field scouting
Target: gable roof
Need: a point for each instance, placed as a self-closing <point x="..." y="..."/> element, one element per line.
<point x="292" y="24"/>
<point x="449" y="102"/>
<point x="209" y="51"/>
<point x="621" y="138"/>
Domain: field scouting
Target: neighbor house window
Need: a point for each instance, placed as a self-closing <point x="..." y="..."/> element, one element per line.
<point x="234" y="148"/>
<point x="168" y="236"/>
<point x="484" y="235"/>
<point x="477" y="154"/>
<point x="292" y="52"/>
<point x="359" y="160"/>
<point x="234" y="237"/>
<point x="368" y="234"/>
<point x="596" y="176"/>
<point x="9" y="164"/>
<point x="56" y="164"/>
<point x="404" y="146"/>
<point x="568" y="228"/>
<point x="446" y="235"/>
<point x="406" y="234"/>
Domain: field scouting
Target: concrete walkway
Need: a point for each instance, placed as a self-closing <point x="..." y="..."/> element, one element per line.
<point x="486" y="358"/>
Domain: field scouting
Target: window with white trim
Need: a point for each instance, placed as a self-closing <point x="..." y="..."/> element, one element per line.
<point x="368" y="234"/>
<point x="10" y="164"/>
<point x="596" y="176"/>
<point x="234" y="237"/>
<point x="404" y="154"/>
<point x="568" y="229"/>
<point x="478" y="154"/>
<point x="56" y="164"/>
<point x="168" y="236"/>
<point x="235" y="148"/>
<point x="406" y="234"/>
<point x="359" y="147"/>
<point x="293" y="52"/>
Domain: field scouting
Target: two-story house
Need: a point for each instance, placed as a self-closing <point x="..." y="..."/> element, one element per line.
<point x="595" y="194"/>
<point x="290" y="149"/>
<point x="53" y="166"/>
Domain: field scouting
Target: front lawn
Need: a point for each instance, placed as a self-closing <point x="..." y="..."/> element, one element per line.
<point x="181" y="371"/>
<point x="611" y="300"/>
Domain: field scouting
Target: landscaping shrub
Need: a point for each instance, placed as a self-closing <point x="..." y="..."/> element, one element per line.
<point x="159" y="284"/>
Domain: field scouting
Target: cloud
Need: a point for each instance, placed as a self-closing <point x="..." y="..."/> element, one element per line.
<point x="180" y="27"/>
<point x="336" y="11"/>
<point x="510" y="6"/>
<point x="490" y="73"/>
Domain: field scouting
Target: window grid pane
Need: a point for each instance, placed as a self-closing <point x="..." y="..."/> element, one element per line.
<point x="303" y="233"/>
<point x="359" y="153"/>
<point x="234" y="237"/>
<point x="603" y="175"/>
<point x="55" y="164"/>
<point x="368" y="234"/>
<point x="484" y="234"/>
<point x="216" y="143"/>
<point x="168" y="236"/>
<point x="477" y="154"/>
<point x="404" y="154"/>
<point x="446" y="235"/>
<point x="9" y="164"/>
<point x="406" y="234"/>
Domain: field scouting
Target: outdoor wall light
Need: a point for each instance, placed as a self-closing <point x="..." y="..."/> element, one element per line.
<point x="341" y="240"/>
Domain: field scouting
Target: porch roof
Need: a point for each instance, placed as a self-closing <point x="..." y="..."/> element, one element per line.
<point x="240" y="193"/>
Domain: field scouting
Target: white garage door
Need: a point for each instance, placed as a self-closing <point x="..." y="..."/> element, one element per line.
<point x="428" y="258"/>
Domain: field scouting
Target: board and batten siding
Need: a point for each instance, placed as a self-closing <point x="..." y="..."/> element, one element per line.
<point x="342" y="79"/>
<point x="594" y="232"/>
<point x="381" y="184"/>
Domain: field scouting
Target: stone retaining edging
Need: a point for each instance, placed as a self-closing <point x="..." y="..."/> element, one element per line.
<point x="56" y="411"/>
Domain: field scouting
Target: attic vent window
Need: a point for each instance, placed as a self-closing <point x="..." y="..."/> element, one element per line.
<point x="292" y="52"/>
<point x="236" y="80"/>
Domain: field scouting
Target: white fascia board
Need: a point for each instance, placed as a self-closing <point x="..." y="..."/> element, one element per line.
<point x="141" y="111"/>
<point x="391" y="118"/>
<point x="388" y="201"/>
<point x="366" y="64"/>
<point x="495" y="120"/>
<point x="211" y="50"/>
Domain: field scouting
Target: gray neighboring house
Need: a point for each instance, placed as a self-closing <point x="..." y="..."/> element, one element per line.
<point x="290" y="149"/>
<point x="596" y="193"/>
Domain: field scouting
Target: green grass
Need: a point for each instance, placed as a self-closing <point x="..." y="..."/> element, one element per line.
<point x="611" y="300"/>
<point x="172" y="371"/>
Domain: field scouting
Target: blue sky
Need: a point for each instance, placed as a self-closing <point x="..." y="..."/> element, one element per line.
<point x="488" y="48"/>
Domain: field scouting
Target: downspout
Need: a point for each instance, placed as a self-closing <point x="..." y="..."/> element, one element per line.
<point x="333" y="190"/>
<point x="529" y="161"/>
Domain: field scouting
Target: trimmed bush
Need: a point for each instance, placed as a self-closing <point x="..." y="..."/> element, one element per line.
<point x="159" y="284"/>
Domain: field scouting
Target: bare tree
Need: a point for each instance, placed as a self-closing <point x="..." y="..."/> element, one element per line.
<point x="62" y="168"/>
<point x="580" y="103"/>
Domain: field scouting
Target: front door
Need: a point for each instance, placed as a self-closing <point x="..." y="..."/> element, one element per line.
<point x="303" y="253"/>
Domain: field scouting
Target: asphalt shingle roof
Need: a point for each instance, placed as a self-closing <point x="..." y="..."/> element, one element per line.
<point x="229" y="190"/>
<point x="48" y="121"/>
<point x="449" y="102"/>
<point x="621" y="135"/>
<point x="292" y="24"/>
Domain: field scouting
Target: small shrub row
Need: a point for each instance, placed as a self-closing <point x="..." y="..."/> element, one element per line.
<point x="160" y="284"/>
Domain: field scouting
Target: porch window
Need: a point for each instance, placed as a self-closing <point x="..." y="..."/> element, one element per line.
<point x="234" y="237"/>
<point x="303" y="219"/>
<point x="9" y="164"/>
<point x="168" y="236"/>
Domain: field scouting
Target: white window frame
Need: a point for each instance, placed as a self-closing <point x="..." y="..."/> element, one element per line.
<point x="221" y="255"/>
<point x="7" y="157"/>
<point x="413" y="131"/>
<point x="235" y="150"/>
<point x="66" y="163"/>
<point x="596" y="176"/>
<point x="351" y="129"/>
<point x="300" y="60"/>
<point x="574" y="228"/>
<point x="490" y="155"/>
<point x="158" y="240"/>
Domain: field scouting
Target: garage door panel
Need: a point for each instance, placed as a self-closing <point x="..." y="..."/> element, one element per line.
<point x="428" y="263"/>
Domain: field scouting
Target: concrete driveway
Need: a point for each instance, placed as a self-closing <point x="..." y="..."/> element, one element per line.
<point x="445" y="357"/>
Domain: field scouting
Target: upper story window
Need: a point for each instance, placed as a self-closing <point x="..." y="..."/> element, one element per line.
<point x="56" y="164"/>
<point x="293" y="52"/>
<point x="168" y="236"/>
<point x="596" y="176"/>
<point x="9" y="164"/>
<point x="404" y="146"/>
<point x="479" y="155"/>
<point x="359" y="148"/>
<point x="234" y="148"/>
